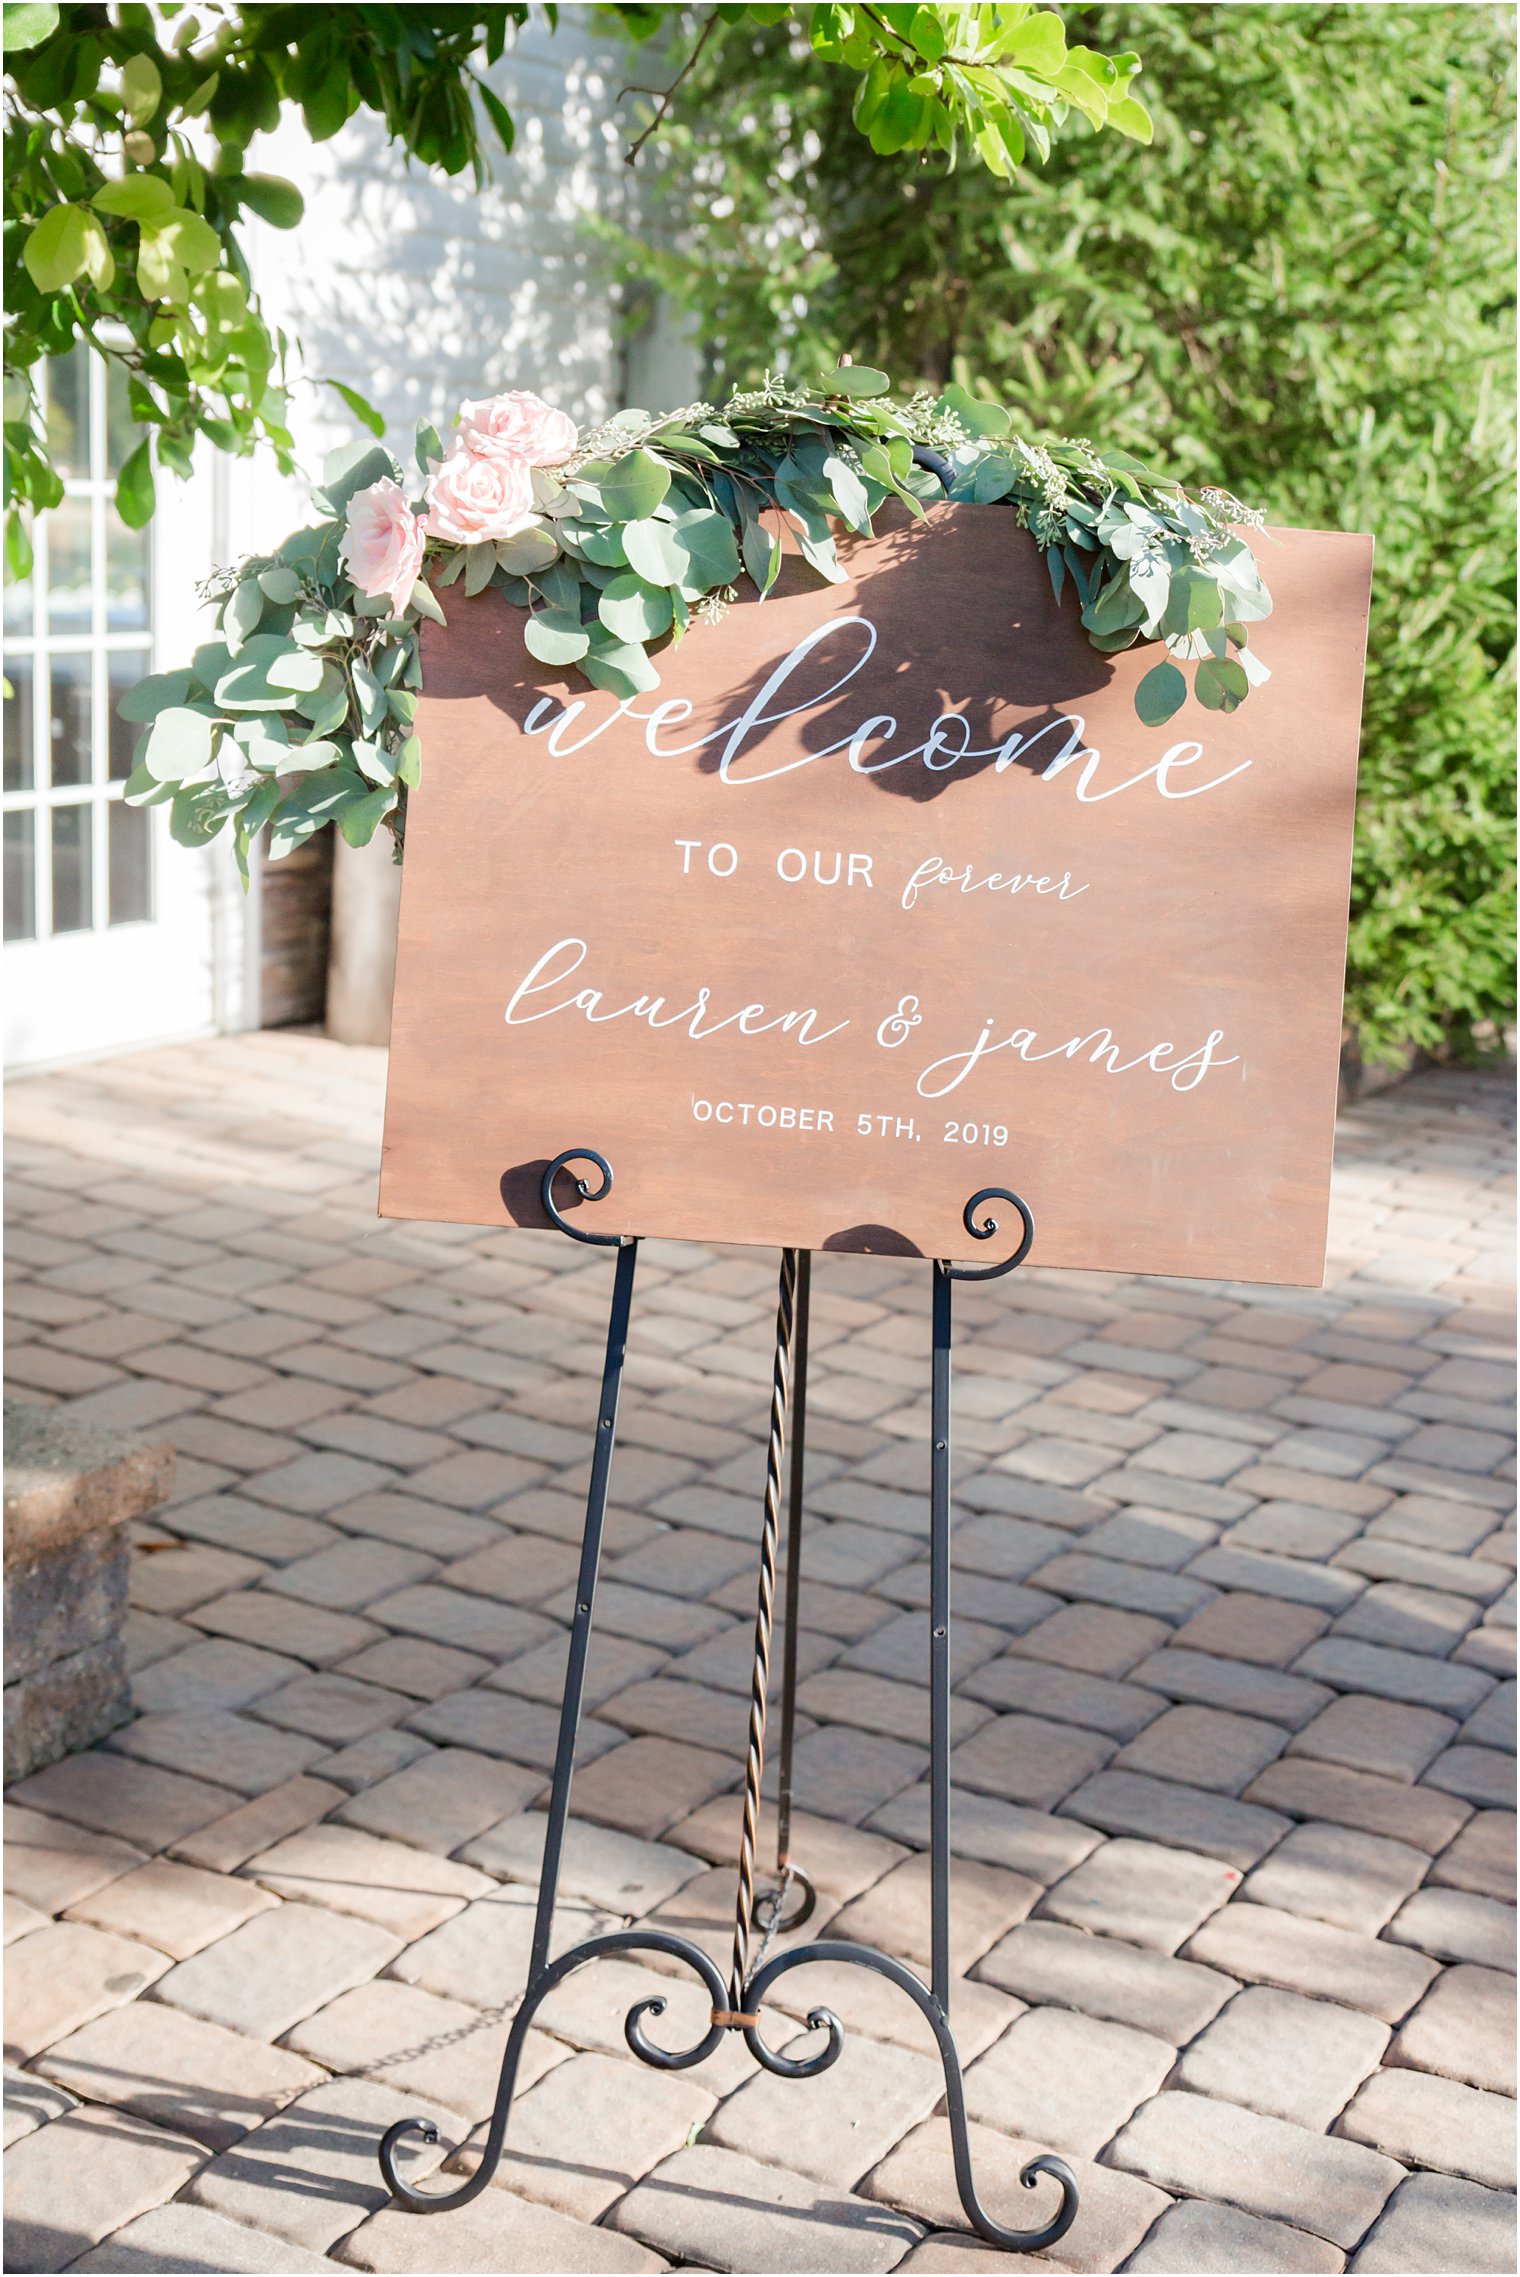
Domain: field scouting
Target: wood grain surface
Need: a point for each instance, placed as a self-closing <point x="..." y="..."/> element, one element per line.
<point x="885" y="896"/>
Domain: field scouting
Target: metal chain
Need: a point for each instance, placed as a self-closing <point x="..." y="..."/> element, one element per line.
<point x="786" y="1308"/>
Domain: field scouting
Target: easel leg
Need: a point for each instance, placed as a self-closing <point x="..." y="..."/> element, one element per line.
<point x="564" y="1767"/>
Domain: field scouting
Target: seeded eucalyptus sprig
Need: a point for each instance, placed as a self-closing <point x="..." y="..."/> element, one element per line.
<point x="301" y="713"/>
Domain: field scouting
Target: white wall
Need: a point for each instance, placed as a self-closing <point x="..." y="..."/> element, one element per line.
<point x="418" y="290"/>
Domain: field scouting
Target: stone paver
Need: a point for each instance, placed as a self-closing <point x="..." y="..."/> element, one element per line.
<point x="74" y="2182"/>
<point x="1232" y="1708"/>
<point x="1437" y="2226"/>
<point x="1279" y="2053"/>
<point x="1208" y="2149"/>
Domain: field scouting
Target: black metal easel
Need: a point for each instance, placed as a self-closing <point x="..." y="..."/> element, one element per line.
<point x="738" y="2001"/>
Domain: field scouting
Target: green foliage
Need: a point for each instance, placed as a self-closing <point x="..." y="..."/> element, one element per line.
<point x="118" y="232"/>
<point x="1307" y="282"/>
<point x="301" y="714"/>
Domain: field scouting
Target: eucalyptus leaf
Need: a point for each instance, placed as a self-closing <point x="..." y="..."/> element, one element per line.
<point x="179" y="743"/>
<point x="1162" y="692"/>
<point x="634" y="610"/>
<point x="147" y="697"/>
<point x="555" y="637"/>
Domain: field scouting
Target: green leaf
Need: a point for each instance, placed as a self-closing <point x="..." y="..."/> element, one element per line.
<point x="555" y="637"/>
<point x="1220" y="684"/>
<point x="360" y="405"/>
<point x="425" y="601"/>
<point x="268" y="674"/>
<point x="242" y="615"/>
<point x="179" y="743"/>
<point x="135" y="197"/>
<point x="141" y="89"/>
<point x="762" y="555"/>
<point x="135" y="495"/>
<point x="479" y="567"/>
<point x="497" y="112"/>
<point x="1162" y="692"/>
<point x="28" y="25"/>
<point x="178" y="240"/>
<point x="1038" y="44"/>
<point x="634" y="610"/>
<point x="148" y="697"/>
<point x="858" y="380"/>
<point x="631" y="487"/>
<point x="1130" y="118"/>
<point x="360" y="818"/>
<point x="352" y="467"/>
<point x="280" y="585"/>
<point x="619" y="666"/>
<point x="372" y="700"/>
<point x="281" y="204"/>
<point x="525" y="551"/>
<point x="654" y="550"/>
<point x="55" y="251"/>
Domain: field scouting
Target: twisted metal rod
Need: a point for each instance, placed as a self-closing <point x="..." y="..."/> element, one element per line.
<point x="754" y="1764"/>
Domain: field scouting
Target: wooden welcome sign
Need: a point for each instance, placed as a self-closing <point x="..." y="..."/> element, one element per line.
<point x="884" y="896"/>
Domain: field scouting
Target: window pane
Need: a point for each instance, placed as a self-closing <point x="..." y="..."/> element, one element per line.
<point x="71" y="869"/>
<point x="131" y="863"/>
<point x="126" y="576"/>
<point x="127" y="668"/>
<point x="18" y="725"/>
<point x="68" y="411"/>
<point x="69" y="566"/>
<point x="20" y="877"/>
<point x="122" y="436"/>
<point x="70" y="719"/>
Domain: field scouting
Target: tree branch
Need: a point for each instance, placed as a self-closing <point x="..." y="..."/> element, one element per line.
<point x="668" y="95"/>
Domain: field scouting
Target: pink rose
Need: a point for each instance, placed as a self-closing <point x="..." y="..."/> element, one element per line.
<point x="516" y="426"/>
<point x="383" y="543"/>
<point x="472" y="499"/>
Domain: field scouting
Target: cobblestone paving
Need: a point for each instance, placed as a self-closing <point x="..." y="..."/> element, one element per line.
<point x="1234" y="1737"/>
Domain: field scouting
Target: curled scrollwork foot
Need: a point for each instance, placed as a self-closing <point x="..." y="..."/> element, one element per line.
<point x="665" y="2059"/>
<point x="800" y="2067"/>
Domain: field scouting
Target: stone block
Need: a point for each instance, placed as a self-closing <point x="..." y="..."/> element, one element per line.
<point x="401" y="1888"/>
<point x="1334" y="1873"/>
<point x="1114" y="2210"/>
<point x="1197" y="2238"/>
<point x="481" y="1955"/>
<point x="1481" y="1775"/>
<point x="1024" y="1759"/>
<point x="30" y="2103"/>
<point x="277" y="1968"/>
<point x="444" y="2051"/>
<point x="894" y="1915"/>
<point x="1242" y="1687"/>
<point x="1436" y="2226"/>
<point x="720" y="2210"/>
<point x="51" y="1864"/>
<point x="615" y="1871"/>
<point x="1180" y="1818"/>
<point x="1265" y="1947"/>
<point x="1284" y="2055"/>
<point x="1304" y="1788"/>
<point x="212" y="1672"/>
<point x="496" y="2236"/>
<point x="1387" y="1737"/>
<point x="1099" y="1639"/>
<point x="66" y="1479"/>
<point x="1457" y="1925"/>
<point x="176" y="1908"/>
<point x="230" y="1842"/>
<point x="1352" y="1666"/>
<point x="1267" y="1631"/>
<point x="182" y="2241"/>
<point x="1422" y="2120"/>
<point x="1065" y="2079"/>
<point x="834" y="2127"/>
<point x="1463" y="2028"/>
<point x="308" y="2175"/>
<point x="594" y="2127"/>
<point x="74" y="2182"/>
<point x="1000" y="1834"/>
<point x="61" y="1976"/>
<point x="1203" y="1747"/>
<point x="1142" y="1893"/>
<point x="1482" y="1858"/>
<point x="1063" y="1695"/>
<point x="441" y="1801"/>
<point x="178" y="2071"/>
<point x="1204" y="2149"/>
<point x="1043" y="1961"/>
<point x="233" y="1750"/>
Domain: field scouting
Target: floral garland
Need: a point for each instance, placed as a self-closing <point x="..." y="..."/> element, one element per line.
<point x="301" y="714"/>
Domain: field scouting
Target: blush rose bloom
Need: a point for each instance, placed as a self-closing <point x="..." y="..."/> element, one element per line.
<point x="383" y="543"/>
<point x="472" y="499"/>
<point x="516" y="426"/>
